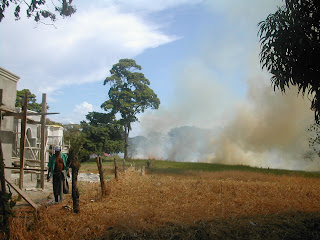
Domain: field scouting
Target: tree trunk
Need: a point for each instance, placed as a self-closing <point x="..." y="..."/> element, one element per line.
<point x="75" y="166"/>
<point x="75" y="191"/>
<point x="115" y="169"/>
<point x="103" y="185"/>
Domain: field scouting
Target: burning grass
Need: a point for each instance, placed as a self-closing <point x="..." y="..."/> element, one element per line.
<point x="160" y="206"/>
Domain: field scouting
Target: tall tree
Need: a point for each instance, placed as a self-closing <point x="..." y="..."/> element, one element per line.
<point x="32" y="104"/>
<point x="38" y="9"/>
<point x="129" y="95"/>
<point x="290" y="48"/>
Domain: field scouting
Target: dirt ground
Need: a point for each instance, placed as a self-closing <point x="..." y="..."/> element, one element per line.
<point x="37" y="194"/>
<point x="42" y="196"/>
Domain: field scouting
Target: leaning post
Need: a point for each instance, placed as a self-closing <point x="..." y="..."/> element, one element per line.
<point x="23" y="138"/>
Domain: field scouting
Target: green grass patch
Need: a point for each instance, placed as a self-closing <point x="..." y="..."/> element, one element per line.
<point x="171" y="167"/>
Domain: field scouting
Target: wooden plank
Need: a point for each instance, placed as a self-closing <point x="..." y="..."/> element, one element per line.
<point x="26" y="159"/>
<point x="20" y="115"/>
<point x="41" y="114"/>
<point x="32" y="169"/>
<point x="25" y="171"/>
<point x="33" y="148"/>
<point x="22" y="194"/>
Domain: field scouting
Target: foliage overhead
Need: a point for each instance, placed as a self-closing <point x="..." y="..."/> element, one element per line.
<point x="38" y="9"/>
<point x="32" y="104"/>
<point x="290" y="48"/>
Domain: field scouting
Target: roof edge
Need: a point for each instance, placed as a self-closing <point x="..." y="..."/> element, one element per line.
<point x="9" y="75"/>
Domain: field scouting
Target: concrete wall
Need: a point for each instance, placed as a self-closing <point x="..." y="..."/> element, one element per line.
<point x="8" y="82"/>
<point x="32" y="137"/>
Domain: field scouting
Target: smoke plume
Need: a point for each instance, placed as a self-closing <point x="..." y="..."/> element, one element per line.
<point x="270" y="129"/>
<point x="265" y="129"/>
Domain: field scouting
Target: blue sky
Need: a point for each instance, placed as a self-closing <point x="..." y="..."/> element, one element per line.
<point x="198" y="55"/>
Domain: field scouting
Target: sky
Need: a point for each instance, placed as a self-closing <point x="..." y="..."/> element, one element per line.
<point x="69" y="61"/>
<point x="201" y="57"/>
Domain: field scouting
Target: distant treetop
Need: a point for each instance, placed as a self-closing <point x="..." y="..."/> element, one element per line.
<point x="32" y="104"/>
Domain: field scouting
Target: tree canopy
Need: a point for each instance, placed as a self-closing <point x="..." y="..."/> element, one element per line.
<point x="102" y="133"/>
<point x="38" y="9"/>
<point x="290" y="48"/>
<point x="32" y="104"/>
<point x="129" y="94"/>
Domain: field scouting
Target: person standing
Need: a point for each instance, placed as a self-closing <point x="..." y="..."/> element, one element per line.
<point x="58" y="170"/>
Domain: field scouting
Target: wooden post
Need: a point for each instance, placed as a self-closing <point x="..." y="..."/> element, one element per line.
<point x="43" y="139"/>
<point x="23" y="138"/>
<point x="115" y="169"/>
<point x="3" y="193"/>
<point x="1" y="94"/>
<point x="103" y="185"/>
<point x="75" y="166"/>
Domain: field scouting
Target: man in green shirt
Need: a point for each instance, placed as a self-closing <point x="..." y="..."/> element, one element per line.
<point x="58" y="170"/>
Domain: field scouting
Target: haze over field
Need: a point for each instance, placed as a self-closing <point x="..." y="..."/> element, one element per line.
<point x="267" y="129"/>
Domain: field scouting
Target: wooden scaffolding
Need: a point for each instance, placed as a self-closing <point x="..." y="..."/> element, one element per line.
<point x="36" y="163"/>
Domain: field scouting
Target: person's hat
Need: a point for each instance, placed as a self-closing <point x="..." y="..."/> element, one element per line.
<point x="57" y="148"/>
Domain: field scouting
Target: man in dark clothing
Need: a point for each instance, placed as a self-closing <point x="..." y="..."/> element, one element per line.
<point x="59" y="170"/>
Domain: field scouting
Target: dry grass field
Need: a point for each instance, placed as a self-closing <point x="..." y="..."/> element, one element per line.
<point x="191" y="205"/>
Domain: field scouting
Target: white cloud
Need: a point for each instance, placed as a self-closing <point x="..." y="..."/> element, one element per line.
<point x="83" y="108"/>
<point x="77" y="115"/>
<point x="82" y="49"/>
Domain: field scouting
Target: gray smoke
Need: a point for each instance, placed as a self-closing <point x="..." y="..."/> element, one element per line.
<point x="266" y="129"/>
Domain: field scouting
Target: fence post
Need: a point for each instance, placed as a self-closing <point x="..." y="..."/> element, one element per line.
<point x="103" y="186"/>
<point x="115" y="169"/>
